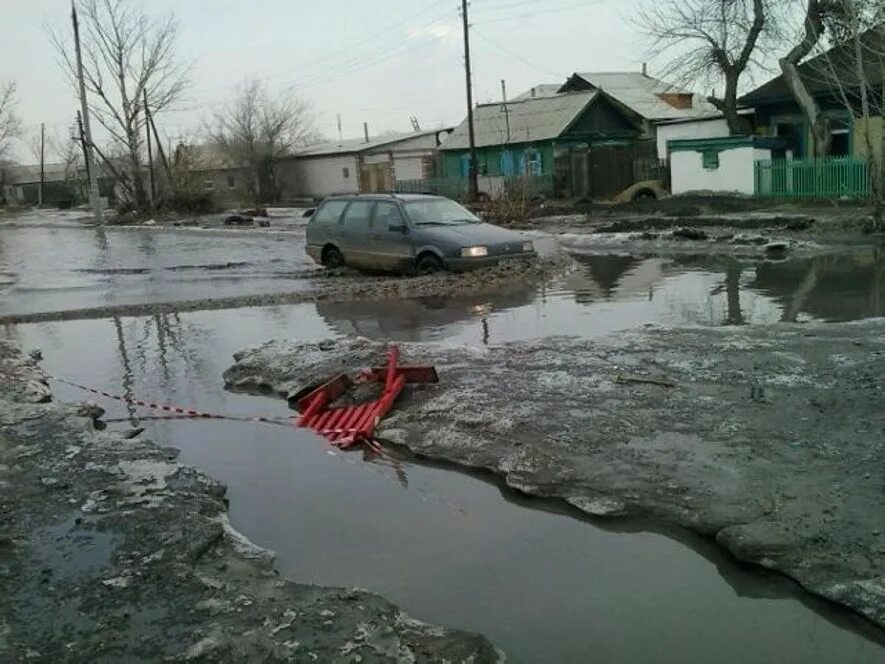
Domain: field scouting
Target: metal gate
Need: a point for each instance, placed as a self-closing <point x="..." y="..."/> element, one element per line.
<point x="611" y="169"/>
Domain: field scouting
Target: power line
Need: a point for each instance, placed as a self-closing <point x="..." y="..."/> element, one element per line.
<point x="514" y="54"/>
<point x="347" y="51"/>
<point x="558" y="10"/>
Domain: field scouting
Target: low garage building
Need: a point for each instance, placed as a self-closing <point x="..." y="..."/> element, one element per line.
<point x="360" y="165"/>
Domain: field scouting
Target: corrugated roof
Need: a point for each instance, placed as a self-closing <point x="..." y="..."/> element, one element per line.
<point x="538" y="119"/>
<point x="542" y="90"/>
<point x="639" y="92"/>
<point x="354" y="145"/>
<point x="30" y="173"/>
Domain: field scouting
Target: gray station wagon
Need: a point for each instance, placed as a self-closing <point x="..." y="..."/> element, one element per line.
<point x="408" y="233"/>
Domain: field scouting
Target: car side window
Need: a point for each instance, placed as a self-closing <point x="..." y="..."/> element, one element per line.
<point x="388" y="214"/>
<point x="358" y="215"/>
<point x="329" y="212"/>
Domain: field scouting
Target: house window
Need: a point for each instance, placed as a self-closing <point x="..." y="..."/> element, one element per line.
<point x="507" y="163"/>
<point x="209" y="184"/>
<point x="533" y="162"/>
<point x="840" y="138"/>
<point x="793" y="132"/>
<point x="710" y="159"/>
<point x="345" y="172"/>
<point x="231" y="182"/>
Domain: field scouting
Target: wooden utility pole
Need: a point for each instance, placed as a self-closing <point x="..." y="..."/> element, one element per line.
<point x="42" y="163"/>
<point x="472" y="183"/>
<point x="159" y="144"/>
<point x="147" y="129"/>
<point x="505" y="109"/>
<point x="94" y="198"/>
<point x="82" y="138"/>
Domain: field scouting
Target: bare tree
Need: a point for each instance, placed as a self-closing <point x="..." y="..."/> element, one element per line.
<point x="256" y="130"/>
<point x="708" y="41"/>
<point x="812" y="33"/>
<point x="853" y="72"/>
<point x="10" y="126"/>
<point x="126" y="55"/>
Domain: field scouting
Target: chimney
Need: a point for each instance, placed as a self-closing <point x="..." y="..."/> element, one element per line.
<point x="645" y="69"/>
<point x="534" y="92"/>
<point x="366" y="130"/>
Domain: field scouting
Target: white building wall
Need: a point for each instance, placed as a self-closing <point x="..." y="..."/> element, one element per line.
<point x="408" y="168"/>
<point x="381" y="158"/>
<point x="318" y="177"/>
<point x="687" y="130"/>
<point x="735" y="173"/>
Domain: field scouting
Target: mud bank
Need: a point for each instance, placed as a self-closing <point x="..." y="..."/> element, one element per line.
<point x="693" y="241"/>
<point x="111" y="550"/>
<point x="769" y="439"/>
<point x="344" y="287"/>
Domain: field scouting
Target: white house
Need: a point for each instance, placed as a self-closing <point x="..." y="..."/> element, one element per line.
<point x="721" y="164"/>
<point x="360" y="165"/>
<point x="712" y="126"/>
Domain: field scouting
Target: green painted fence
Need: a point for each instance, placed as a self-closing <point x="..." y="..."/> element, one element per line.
<point x="826" y="177"/>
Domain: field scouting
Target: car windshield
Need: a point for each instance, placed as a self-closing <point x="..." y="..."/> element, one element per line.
<point x="439" y="212"/>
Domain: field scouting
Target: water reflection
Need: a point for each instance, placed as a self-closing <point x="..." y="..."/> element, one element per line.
<point x="831" y="288"/>
<point x="423" y="319"/>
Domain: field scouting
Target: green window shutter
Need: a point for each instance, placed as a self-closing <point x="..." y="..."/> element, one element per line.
<point x="711" y="159"/>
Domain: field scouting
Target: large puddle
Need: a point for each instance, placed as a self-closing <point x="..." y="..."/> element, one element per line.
<point x="450" y="547"/>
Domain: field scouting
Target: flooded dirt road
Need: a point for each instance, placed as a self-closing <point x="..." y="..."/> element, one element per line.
<point x="448" y="547"/>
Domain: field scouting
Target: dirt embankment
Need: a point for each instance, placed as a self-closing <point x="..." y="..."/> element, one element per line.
<point x="110" y="550"/>
<point x="770" y="439"/>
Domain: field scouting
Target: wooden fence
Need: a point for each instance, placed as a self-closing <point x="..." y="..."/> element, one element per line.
<point x="825" y="177"/>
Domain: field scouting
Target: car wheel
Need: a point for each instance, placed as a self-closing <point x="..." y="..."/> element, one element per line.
<point x="429" y="264"/>
<point x="332" y="258"/>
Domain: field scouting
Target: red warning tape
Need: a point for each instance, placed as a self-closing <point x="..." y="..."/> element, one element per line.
<point x="191" y="413"/>
<point x="186" y="412"/>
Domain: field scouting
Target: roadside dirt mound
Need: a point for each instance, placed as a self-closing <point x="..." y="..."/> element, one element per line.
<point x="769" y="439"/>
<point x="110" y="550"/>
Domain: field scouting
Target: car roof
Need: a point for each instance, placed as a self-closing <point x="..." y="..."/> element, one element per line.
<point x="385" y="197"/>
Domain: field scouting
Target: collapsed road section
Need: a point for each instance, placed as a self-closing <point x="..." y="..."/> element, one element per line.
<point x="770" y="439"/>
<point x="111" y="550"/>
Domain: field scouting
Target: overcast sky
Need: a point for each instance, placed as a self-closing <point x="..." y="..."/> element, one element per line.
<point x="378" y="61"/>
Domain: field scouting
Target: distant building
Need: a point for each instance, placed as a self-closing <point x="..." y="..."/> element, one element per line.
<point x="206" y="168"/>
<point x="63" y="184"/>
<point x="360" y="165"/>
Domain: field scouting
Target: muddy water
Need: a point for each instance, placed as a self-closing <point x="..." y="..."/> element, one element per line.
<point x="449" y="547"/>
<point x="54" y="269"/>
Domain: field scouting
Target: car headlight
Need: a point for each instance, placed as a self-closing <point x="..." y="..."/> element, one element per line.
<point x="474" y="252"/>
<point x="528" y="246"/>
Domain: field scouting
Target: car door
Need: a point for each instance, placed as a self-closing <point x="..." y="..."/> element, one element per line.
<point x="391" y="240"/>
<point x="325" y="225"/>
<point x="355" y="233"/>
